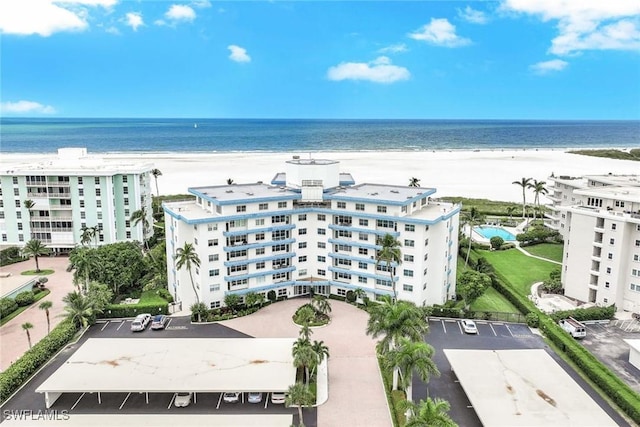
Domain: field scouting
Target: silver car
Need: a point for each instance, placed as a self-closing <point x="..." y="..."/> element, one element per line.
<point x="182" y="399"/>
<point x="254" y="397"/>
<point x="140" y="322"/>
<point x="469" y="326"/>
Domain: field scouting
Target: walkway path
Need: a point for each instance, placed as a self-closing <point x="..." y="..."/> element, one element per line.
<point x="13" y="339"/>
<point x="535" y="256"/>
<point x="356" y="392"/>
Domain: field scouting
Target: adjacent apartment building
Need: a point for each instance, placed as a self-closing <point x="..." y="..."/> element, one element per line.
<point x="311" y="227"/>
<point x="599" y="218"/>
<point x="70" y="192"/>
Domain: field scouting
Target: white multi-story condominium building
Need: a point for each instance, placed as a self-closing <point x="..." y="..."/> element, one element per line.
<point x="70" y="192"/>
<point x="312" y="226"/>
<point x="599" y="218"/>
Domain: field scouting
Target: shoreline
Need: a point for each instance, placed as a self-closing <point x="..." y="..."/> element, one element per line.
<point x="478" y="173"/>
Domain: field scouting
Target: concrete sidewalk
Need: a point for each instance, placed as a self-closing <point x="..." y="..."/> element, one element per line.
<point x="356" y="392"/>
<point x="13" y="339"/>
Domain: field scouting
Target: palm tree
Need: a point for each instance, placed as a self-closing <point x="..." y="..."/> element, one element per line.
<point x="87" y="235"/>
<point x="46" y="305"/>
<point x="472" y="218"/>
<point x="305" y="332"/>
<point x="188" y="258"/>
<point x="409" y="357"/>
<point x="538" y="188"/>
<point x="304" y="356"/>
<point x="229" y="181"/>
<point x="321" y="304"/>
<point x="321" y="351"/>
<point x="79" y="309"/>
<point x="140" y="217"/>
<point x="299" y="395"/>
<point x="35" y="248"/>
<point x="83" y="262"/>
<point x="29" y="204"/>
<point x="305" y="315"/>
<point x="156" y="173"/>
<point x="414" y="182"/>
<point x="429" y="413"/>
<point x="360" y="293"/>
<point x="389" y="253"/>
<point x="524" y="183"/>
<point x="26" y="326"/>
<point x="510" y="211"/>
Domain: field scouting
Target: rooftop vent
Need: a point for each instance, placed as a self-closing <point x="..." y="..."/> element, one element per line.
<point x="229" y="191"/>
<point x="296" y="157"/>
<point x="249" y="194"/>
<point x="395" y="191"/>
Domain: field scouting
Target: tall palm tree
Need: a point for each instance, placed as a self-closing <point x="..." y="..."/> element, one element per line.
<point x="140" y="217"/>
<point x="524" y="183"/>
<point x="188" y="258"/>
<point x="304" y="356"/>
<point x="35" y="248"/>
<point x="414" y="182"/>
<point x="156" y="173"/>
<point x="389" y="253"/>
<point x="538" y="188"/>
<point x="471" y="218"/>
<point x="46" y="305"/>
<point x="25" y="327"/>
<point x="321" y="351"/>
<point x="299" y="395"/>
<point x="83" y="262"/>
<point x="229" y="181"/>
<point x="79" y="309"/>
<point x="321" y="304"/>
<point x="29" y="204"/>
<point x="409" y="357"/>
<point x="510" y="211"/>
<point x="429" y="413"/>
<point x="87" y="234"/>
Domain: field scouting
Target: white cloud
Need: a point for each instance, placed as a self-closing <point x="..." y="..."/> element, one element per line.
<point x="585" y="24"/>
<point x="201" y="4"/>
<point x="474" y="16"/>
<point x="546" y="67"/>
<point x="440" y="32"/>
<point x="180" y="12"/>
<point x="134" y="20"/>
<point x="22" y="107"/>
<point x="112" y="30"/>
<point x="380" y="70"/>
<point x="394" y="48"/>
<point x="238" y="54"/>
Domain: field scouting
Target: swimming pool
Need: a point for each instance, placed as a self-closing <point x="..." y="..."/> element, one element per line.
<point x="488" y="232"/>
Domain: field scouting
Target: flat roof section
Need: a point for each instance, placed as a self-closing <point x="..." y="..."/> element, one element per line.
<point x="177" y="364"/>
<point x="523" y="388"/>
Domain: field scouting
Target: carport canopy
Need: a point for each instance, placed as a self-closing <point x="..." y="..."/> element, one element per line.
<point x="523" y="388"/>
<point x="202" y="365"/>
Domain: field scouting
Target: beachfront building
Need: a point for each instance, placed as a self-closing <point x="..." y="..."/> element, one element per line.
<point x="70" y="192"/>
<point x="599" y="218"/>
<point x="311" y="227"/>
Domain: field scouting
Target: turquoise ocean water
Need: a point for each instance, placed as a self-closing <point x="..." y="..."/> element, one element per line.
<point x="45" y="135"/>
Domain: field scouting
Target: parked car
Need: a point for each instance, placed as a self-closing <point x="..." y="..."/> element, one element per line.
<point x="231" y="397"/>
<point x="277" y="397"/>
<point x="182" y="399"/>
<point x="469" y="326"/>
<point x="140" y="322"/>
<point x="159" y="322"/>
<point x="254" y="397"/>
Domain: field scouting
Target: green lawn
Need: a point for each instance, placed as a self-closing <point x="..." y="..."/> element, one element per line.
<point x="151" y="297"/>
<point x="522" y="271"/>
<point x="36" y="273"/>
<point x="493" y="300"/>
<point x="552" y="251"/>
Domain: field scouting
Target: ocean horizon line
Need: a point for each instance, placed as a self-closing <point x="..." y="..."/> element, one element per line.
<point x="342" y="119"/>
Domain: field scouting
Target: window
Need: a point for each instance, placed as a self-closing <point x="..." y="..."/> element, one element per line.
<point x="363" y="237"/>
<point x="214" y="288"/>
<point x="404" y="209"/>
<point x="17" y="203"/>
<point x="409" y="243"/>
<point x="381" y="209"/>
<point x="613" y="226"/>
<point x="241" y="208"/>
<point x="128" y="234"/>
<point x="635" y="272"/>
<point x="638" y="243"/>
<point x="278" y="248"/>
<point x="385" y="224"/>
<point x="409" y="227"/>
<point x="302" y="272"/>
<point x="341" y="292"/>
<point x="214" y="304"/>
<point x="20" y="237"/>
<point x="260" y="251"/>
<point x="636" y="257"/>
<point x="15" y="180"/>
<point x="322" y="245"/>
<point x="426" y="242"/>
<point x="408" y="258"/>
<point x="608" y="270"/>
<point x="362" y="279"/>
<point x="125" y="190"/>
<point x="263" y="206"/>
<point x="282" y="204"/>
<point x="363" y="222"/>
<point x="98" y="192"/>
<point x="260" y="221"/>
<point x="279" y="276"/>
<point x="360" y="206"/>
<point x="99" y="214"/>
<point x="362" y="265"/>
<point x="96" y="180"/>
<point x="408" y="273"/>
<point x="612" y="241"/>
<point x="322" y="258"/>
<point x="322" y="217"/>
<point x="322" y="231"/>
<point x="278" y="218"/>
<point x="20" y="226"/>
<point x="236" y="268"/>
<point x="80" y="192"/>
<point x="363" y="251"/>
<point x="279" y="235"/>
<point x="619" y="204"/>
<point x="260" y="265"/>
<point x="212" y="242"/>
<point x="126" y="201"/>
<point x="407" y="288"/>
<point x="302" y="217"/>
<point x="236" y="254"/>
<point x="302" y="245"/>
<point x="321" y="272"/>
<point x="345" y="276"/>
<point x="259" y="236"/>
<point x="302" y="231"/>
<point x="607" y="284"/>
<point x="302" y="258"/>
<point x="213" y="257"/>
<point x="238" y="223"/>
<point x="214" y="272"/>
<point x="634" y="287"/>
<point x="609" y="255"/>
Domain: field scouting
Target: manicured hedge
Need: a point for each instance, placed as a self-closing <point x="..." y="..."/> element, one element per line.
<point x="25" y="298"/>
<point x="22" y="369"/>
<point x="591" y="313"/>
<point x="7" y="306"/>
<point x="132" y="310"/>
<point x="10" y="255"/>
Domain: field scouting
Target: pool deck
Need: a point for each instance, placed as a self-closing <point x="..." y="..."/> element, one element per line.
<point x="481" y="239"/>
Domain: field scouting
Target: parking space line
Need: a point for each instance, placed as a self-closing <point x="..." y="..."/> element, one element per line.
<point x="494" y="331"/>
<point x="219" y="401"/>
<point x="105" y="325"/>
<point x="121" y="323"/>
<point x="507" y="326"/>
<point x="77" y="401"/>
<point x="460" y="327"/>
<point x="444" y="327"/>
<point x="171" y="402"/>
<point x="266" y="401"/>
<point x="168" y="323"/>
<point x="125" y="400"/>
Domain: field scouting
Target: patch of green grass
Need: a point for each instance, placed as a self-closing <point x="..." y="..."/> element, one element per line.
<point x="13" y="315"/>
<point x="552" y="251"/>
<point x="37" y="273"/>
<point x="520" y="270"/>
<point x="151" y="297"/>
<point x="610" y="154"/>
<point x="493" y="300"/>
<point x="485" y="206"/>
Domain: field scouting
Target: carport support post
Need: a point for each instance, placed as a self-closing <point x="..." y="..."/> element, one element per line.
<point x="146" y="395"/>
<point x="195" y="397"/>
<point x="99" y="398"/>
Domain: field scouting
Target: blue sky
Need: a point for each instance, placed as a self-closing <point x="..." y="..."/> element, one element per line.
<point x="511" y="59"/>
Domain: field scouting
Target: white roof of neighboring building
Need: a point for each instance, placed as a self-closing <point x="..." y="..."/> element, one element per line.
<point x="236" y="192"/>
<point x="523" y="388"/>
<point x="172" y="365"/>
<point x="634" y="344"/>
<point x="380" y="193"/>
<point x="625" y="193"/>
<point x="138" y="420"/>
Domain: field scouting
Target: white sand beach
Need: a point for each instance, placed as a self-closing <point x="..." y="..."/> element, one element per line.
<point x="480" y="174"/>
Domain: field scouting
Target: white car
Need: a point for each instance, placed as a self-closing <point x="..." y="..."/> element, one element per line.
<point x="254" y="397"/>
<point x="231" y="397"/>
<point x="278" y="397"/>
<point x="140" y="322"/>
<point x="469" y="326"/>
<point x="182" y="399"/>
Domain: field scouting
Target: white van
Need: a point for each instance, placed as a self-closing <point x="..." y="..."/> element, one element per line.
<point x="140" y="322"/>
<point x="575" y="328"/>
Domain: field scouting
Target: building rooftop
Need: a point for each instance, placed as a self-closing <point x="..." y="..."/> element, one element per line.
<point x="381" y="193"/>
<point x="624" y="193"/>
<point x="281" y="179"/>
<point x="237" y="192"/>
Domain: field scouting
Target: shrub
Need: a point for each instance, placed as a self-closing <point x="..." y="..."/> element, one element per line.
<point x="591" y="313"/>
<point x="23" y="368"/>
<point x="271" y="295"/>
<point x="10" y="256"/>
<point x="351" y="296"/>
<point x="25" y="298"/>
<point x="164" y="293"/>
<point x="7" y="306"/>
<point x="132" y="310"/>
<point x="533" y="320"/>
<point x="496" y="242"/>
